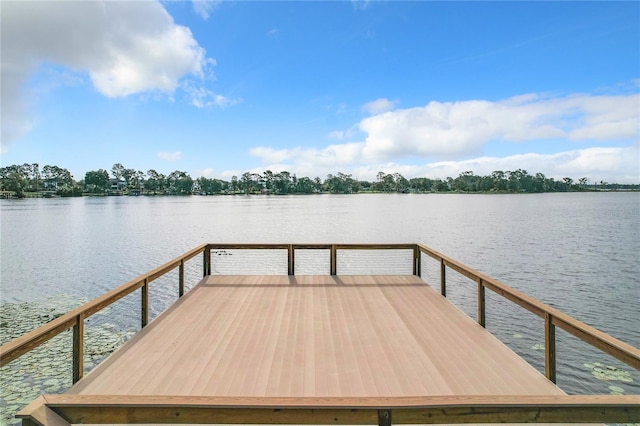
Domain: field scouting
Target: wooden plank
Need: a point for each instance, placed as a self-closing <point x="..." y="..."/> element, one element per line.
<point x="314" y="336"/>
<point x="417" y="410"/>
<point x="38" y="413"/>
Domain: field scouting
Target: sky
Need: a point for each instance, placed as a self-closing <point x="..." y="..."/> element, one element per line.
<point x="423" y="88"/>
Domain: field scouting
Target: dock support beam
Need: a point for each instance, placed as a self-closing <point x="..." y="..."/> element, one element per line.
<point x="384" y="417"/>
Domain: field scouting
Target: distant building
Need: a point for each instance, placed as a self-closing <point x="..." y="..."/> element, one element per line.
<point x="117" y="184"/>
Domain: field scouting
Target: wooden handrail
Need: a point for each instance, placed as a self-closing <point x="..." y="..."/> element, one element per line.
<point x="131" y="409"/>
<point x="606" y="343"/>
<point x="25" y="343"/>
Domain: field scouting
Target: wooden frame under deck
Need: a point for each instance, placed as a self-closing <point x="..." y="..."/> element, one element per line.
<point x="62" y="410"/>
<point x="460" y="409"/>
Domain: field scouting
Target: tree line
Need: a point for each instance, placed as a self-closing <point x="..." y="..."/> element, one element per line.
<point x="31" y="180"/>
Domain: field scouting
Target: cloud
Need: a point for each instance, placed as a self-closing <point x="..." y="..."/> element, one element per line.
<point x="446" y="131"/>
<point x="170" y="156"/>
<point x="273" y="32"/>
<point x="379" y="106"/>
<point x="123" y="47"/>
<point x="446" y="135"/>
<point x="458" y="129"/>
<point x="204" y="7"/>
<point x="202" y="97"/>
<point x="618" y="165"/>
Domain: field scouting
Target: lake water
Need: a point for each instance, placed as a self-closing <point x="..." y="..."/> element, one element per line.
<point x="579" y="252"/>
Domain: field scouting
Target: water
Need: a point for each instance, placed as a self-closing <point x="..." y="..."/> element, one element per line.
<point x="578" y="252"/>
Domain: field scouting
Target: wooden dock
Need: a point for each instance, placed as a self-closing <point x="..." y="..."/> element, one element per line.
<point x="319" y="349"/>
<point x="314" y="336"/>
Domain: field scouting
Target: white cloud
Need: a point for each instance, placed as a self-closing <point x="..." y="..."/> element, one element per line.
<point x="453" y="129"/>
<point x="204" y="7"/>
<point x="170" y="156"/>
<point x="123" y="47"/>
<point x="202" y="97"/>
<point x="456" y="131"/>
<point x="379" y="106"/>
<point x="620" y="165"/>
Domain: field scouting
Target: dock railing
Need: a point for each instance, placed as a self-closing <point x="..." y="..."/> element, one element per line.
<point x="496" y="409"/>
<point x="75" y="319"/>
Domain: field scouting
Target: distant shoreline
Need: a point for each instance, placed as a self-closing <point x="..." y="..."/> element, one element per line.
<point x="11" y="195"/>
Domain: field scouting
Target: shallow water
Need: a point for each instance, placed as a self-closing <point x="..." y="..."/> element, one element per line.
<point x="579" y="252"/>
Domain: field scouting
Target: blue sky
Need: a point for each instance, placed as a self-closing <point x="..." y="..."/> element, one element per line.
<point x="421" y="88"/>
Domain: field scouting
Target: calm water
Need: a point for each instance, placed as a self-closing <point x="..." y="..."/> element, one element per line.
<point x="579" y="252"/>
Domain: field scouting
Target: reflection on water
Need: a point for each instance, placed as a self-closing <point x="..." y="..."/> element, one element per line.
<point x="578" y="252"/>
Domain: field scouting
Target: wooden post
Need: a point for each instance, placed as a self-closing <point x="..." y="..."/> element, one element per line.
<point x="181" y="279"/>
<point x="481" y="304"/>
<point x="443" y="278"/>
<point x="291" y="262"/>
<point x="417" y="261"/>
<point x="334" y="260"/>
<point x="78" y="349"/>
<point x="144" y="311"/>
<point x="384" y="417"/>
<point x="206" y="262"/>
<point x="549" y="347"/>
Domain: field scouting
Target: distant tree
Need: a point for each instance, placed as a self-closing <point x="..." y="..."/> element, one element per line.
<point x="96" y="180"/>
<point x="583" y="181"/>
<point x="117" y="171"/>
<point x="180" y="183"/>
<point x="13" y="178"/>
<point x="568" y="182"/>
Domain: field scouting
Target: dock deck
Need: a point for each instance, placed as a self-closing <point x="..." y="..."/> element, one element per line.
<point x="314" y="336"/>
<point x="318" y="349"/>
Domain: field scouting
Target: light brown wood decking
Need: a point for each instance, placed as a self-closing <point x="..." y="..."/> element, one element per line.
<point x="314" y="336"/>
